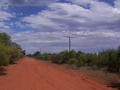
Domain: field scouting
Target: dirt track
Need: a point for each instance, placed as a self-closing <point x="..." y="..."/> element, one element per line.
<point x="30" y="74"/>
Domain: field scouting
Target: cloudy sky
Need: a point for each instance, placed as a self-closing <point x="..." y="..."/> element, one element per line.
<point x="42" y="24"/>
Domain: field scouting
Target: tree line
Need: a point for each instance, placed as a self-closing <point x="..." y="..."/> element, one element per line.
<point x="109" y="58"/>
<point x="10" y="51"/>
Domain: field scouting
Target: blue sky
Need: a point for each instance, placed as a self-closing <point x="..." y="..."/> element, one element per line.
<point x="42" y="24"/>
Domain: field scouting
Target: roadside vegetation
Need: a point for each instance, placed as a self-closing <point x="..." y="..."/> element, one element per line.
<point x="109" y="59"/>
<point x="10" y="51"/>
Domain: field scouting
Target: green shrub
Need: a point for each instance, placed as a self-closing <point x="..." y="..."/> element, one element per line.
<point x="72" y="54"/>
<point x="72" y="61"/>
<point x="91" y="59"/>
<point x="64" y="57"/>
<point x="56" y="59"/>
<point x="9" y="51"/>
<point x="46" y="56"/>
<point x="14" y="54"/>
<point x="109" y="59"/>
<point x="81" y="59"/>
<point x="5" y="39"/>
<point x="4" y="57"/>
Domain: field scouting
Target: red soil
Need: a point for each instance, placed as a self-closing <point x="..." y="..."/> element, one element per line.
<point x="30" y="74"/>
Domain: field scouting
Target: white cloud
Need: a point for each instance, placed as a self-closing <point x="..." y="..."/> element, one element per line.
<point x="3" y="4"/>
<point x="4" y="16"/>
<point x="33" y="41"/>
<point x="37" y="20"/>
<point x="55" y="41"/>
<point x="31" y="2"/>
<point x="83" y="2"/>
<point x="61" y="13"/>
<point x="97" y="26"/>
<point x="103" y="33"/>
<point x="117" y="4"/>
<point x="116" y="10"/>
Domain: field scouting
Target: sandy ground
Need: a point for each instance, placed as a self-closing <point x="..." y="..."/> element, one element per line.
<point x="30" y="74"/>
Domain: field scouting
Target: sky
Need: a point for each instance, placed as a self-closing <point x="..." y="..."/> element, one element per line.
<point x="42" y="24"/>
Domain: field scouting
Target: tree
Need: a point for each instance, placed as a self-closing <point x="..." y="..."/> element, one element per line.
<point x="9" y="51"/>
<point x="5" y="39"/>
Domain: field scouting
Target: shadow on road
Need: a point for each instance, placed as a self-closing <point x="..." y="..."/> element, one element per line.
<point x="2" y="71"/>
<point x="115" y="85"/>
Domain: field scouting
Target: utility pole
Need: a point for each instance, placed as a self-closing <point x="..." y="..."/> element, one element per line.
<point x="69" y="37"/>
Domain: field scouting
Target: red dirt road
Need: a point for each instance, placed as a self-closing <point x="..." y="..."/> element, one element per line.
<point x="30" y="74"/>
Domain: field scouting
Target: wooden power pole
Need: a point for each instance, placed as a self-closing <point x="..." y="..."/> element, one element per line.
<point x="69" y="37"/>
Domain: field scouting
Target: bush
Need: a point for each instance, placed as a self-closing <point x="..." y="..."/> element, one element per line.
<point x="9" y="53"/>
<point x="4" y="57"/>
<point x="81" y="59"/>
<point x="37" y="55"/>
<point x="72" y="54"/>
<point x="55" y="59"/>
<point x="14" y="54"/>
<point x="5" y="39"/>
<point x="109" y="59"/>
<point x="91" y="59"/>
<point x="46" y="56"/>
<point x="114" y="61"/>
<point x="64" y="57"/>
<point x="72" y="61"/>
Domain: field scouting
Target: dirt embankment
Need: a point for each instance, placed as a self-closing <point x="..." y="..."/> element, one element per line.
<point x="30" y="74"/>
